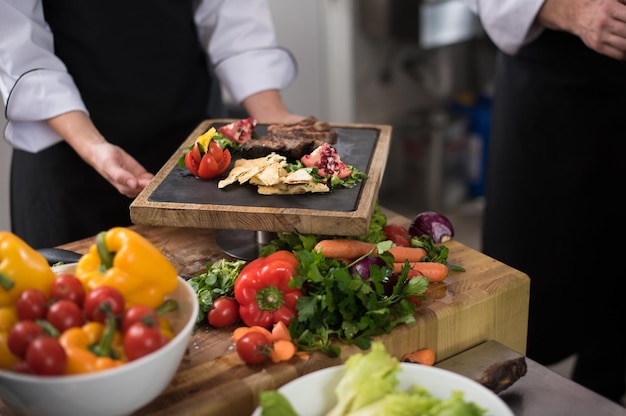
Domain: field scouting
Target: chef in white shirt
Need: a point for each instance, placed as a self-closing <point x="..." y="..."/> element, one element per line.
<point x="555" y="159"/>
<point x="100" y="94"/>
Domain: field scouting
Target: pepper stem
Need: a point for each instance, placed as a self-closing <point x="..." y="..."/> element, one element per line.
<point x="6" y="282"/>
<point x="106" y="257"/>
<point x="103" y="348"/>
<point x="270" y="298"/>
<point x="168" y="306"/>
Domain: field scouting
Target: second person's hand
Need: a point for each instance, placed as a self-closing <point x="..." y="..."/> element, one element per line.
<point x="600" y="24"/>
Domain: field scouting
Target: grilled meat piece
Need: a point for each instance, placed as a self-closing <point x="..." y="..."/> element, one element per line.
<point x="309" y="128"/>
<point x="290" y="140"/>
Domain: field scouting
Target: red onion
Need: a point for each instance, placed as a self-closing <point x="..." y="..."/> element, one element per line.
<point x="433" y="224"/>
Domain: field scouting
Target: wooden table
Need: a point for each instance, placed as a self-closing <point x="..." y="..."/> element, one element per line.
<point x="487" y="302"/>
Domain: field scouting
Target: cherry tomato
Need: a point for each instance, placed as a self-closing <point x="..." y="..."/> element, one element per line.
<point x="196" y="153"/>
<point x="398" y="234"/>
<point x="65" y="314"/>
<point x="45" y="356"/>
<point x="22" y="367"/>
<point x="215" y="150"/>
<point x="253" y="347"/>
<point x="191" y="163"/>
<point x="68" y="286"/>
<point x="31" y="304"/>
<point x="224" y="162"/>
<point x="225" y="312"/>
<point x="208" y="167"/>
<point x="137" y="313"/>
<point x="141" y="339"/>
<point x="21" y="335"/>
<point x="100" y="299"/>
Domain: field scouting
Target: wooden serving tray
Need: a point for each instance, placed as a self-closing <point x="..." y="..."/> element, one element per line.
<point x="176" y="198"/>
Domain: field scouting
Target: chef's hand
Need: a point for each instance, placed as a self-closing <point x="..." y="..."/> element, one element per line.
<point x="110" y="161"/>
<point x="120" y="169"/>
<point x="600" y="24"/>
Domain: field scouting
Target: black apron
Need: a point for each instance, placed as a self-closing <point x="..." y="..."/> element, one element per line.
<point x="554" y="170"/>
<point x="144" y="79"/>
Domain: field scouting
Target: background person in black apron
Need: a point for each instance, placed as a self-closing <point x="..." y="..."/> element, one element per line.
<point x="555" y="166"/>
<point x="100" y="94"/>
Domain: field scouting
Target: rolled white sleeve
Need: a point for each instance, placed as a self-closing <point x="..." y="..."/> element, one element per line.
<point x="34" y="83"/>
<point x="510" y="24"/>
<point x="241" y="43"/>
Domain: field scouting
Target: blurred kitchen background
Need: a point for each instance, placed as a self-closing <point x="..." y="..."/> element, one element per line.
<point x="422" y="66"/>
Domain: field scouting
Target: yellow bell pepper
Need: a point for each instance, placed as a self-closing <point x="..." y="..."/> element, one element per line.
<point x="92" y="347"/>
<point x="21" y="267"/>
<point x="125" y="260"/>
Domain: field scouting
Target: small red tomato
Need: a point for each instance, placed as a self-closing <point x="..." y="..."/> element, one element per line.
<point x="224" y="163"/>
<point x="196" y="153"/>
<point x="45" y="356"/>
<point x="141" y="339"/>
<point x="191" y="163"/>
<point x="31" y="304"/>
<point x="208" y="167"/>
<point x="68" y="286"/>
<point x="225" y="312"/>
<point x="65" y="314"/>
<point x="253" y="347"/>
<point x="398" y="234"/>
<point x="137" y="313"/>
<point x="21" y="335"/>
<point x="215" y="150"/>
<point x="22" y="367"/>
<point x="101" y="299"/>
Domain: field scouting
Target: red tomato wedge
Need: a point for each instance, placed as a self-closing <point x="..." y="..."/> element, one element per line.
<point x="224" y="163"/>
<point x="208" y="167"/>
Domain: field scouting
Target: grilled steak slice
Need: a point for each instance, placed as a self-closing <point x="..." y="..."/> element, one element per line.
<point x="293" y="148"/>
<point x="290" y="140"/>
<point x="309" y="128"/>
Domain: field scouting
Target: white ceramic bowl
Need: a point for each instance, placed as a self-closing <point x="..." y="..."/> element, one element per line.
<point x="314" y="394"/>
<point x="119" y="391"/>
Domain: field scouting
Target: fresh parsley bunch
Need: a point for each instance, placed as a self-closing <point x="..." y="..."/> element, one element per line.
<point x="338" y="305"/>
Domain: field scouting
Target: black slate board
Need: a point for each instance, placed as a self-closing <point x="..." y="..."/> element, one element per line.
<point x="355" y="146"/>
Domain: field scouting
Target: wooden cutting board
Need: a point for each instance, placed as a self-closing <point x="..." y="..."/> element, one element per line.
<point x="487" y="302"/>
<point x="175" y="198"/>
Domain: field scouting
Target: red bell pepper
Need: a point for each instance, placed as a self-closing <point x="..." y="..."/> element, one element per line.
<point x="263" y="292"/>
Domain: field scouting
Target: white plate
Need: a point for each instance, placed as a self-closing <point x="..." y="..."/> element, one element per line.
<point x="313" y="394"/>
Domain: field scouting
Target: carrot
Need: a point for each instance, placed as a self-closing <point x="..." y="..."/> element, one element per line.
<point x="425" y="356"/>
<point x="344" y="248"/>
<point x="242" y="330"/>
<point x="411" y="254"/>
<point x="436" y="272"/>
<point x="281" y="332"/>
<point x="282" y="350"/>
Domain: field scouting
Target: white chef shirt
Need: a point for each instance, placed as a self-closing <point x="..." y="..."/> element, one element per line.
<point x="509" y="24"/>
<point x="238" y="36"/>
